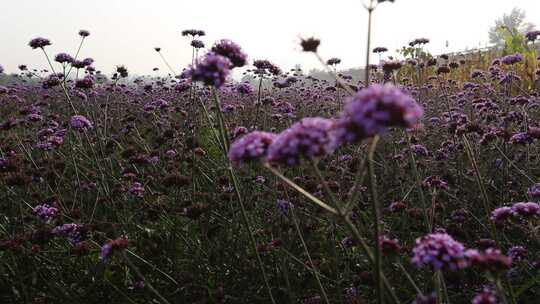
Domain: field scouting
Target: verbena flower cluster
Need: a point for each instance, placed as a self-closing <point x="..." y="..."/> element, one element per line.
<point x="368" y="113"/>
<point x="371" y="111"/>
<point x="439" y="251"/>
<point x="88" y="158"/>
<point x="80" y="122"/>
<point x="213" y="70"/>
<point x="251" y="147"/>
<point x="309" y="138"/>
<point x="46" y="213"/>
<point x="232" y="51"/>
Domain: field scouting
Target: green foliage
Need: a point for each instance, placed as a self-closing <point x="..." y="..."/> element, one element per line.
<point x="207" y="141"/>
<point x="512" y="23"/>
<point x="514" y="41"/>
<point x="410" y="52"/>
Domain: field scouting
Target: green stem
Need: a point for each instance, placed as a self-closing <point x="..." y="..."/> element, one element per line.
<point x="61" y="83"/>
<point x="344" y="217"/>
<point x="250" y="233"/>
<point x="315" y="271"/>
<point x="419" y="186"/>
<point x="493" y="229"/>
<point x="236" y="185"/>
<point x="140" y="275"/>
<point x="376" y="218"/>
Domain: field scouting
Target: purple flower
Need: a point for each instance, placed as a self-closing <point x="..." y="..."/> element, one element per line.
<point x="491" y="259"/>
<point x="372" y="110"/>
<point x="284" y="206"/>
<point x="389" y="246"/>
<point x="348" y="242"/>
<point x="440" y="251"/>
<point x="419" y="41"/>
<point x="50" y="81"/>
<point x="88" y="61"/>
<point x="264" y="66"/>
<point x="260" y="179"/>
<point x="149" y="107"/>
<point x="78" y="64"/>
<point x="345" y="158"/>
<point x="244" y="88"/>
<point x="310" y="137"/>
<point x="212" y="70"/>
<point x="470" y="86"/>
<point x="229" y="108"/>
<point x="250" y="147"/>
<point x="281" y="84"/>
<point x="39" y="43"/>
<point x="139" y="284"/>
<point x="532" y="35"/>
<point x="34" y="117"/>
<point x="435" y="181"/>
<point x="380" y="49"/>
<point x="333" y="61"/>
<point x="500" y="215"/>
<point x="486" y="296"/>
<point x="45" y="212"/>
<point x="518" y="253"/>
<point x="390" y="66"/>
<point x="419" y="150"/>
<point x="512" y="59"/>
<point x="526" y="209"/>
<point x="182" y="86"/>
<point x="63" y="58"/>
<point x="239" y="131"/>
<point x="193" y="33"/>
<point x="73" y="232"/>
<point x="397" y="206"/>
<point x="310" y="44"/>
<point x="231" y="50"/>
<point x="443" y="70"/>
<point x="84" y="33"/>
<point x="522" y="138"/>
<point x="79" y="122"/>
<point x="106" y="251"/>
<point x="48" y="139"/>
<point x="431" y="62"/>
<point x="154" y="160"/>
<point x="122" y="71"/>
<point x="534" y="191"/>
<point x="477" y="74"/>
<point x="198" y="44"/>
<point x="171" y="153"/>
<point x="86" y="83"/>
<point x="136" y="189"/>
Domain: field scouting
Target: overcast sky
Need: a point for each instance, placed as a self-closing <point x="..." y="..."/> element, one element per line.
<point x="126" y="31"/>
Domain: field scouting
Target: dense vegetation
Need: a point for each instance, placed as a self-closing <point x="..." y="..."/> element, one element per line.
<point x="422" y="186"/>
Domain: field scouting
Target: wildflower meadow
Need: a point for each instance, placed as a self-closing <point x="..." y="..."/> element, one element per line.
<point x="416" y="180"/>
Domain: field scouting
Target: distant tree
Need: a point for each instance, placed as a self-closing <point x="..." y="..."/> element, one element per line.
<point x="513" y="24"/>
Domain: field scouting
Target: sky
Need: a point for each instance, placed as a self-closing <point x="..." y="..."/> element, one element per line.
<point x="125" y="32"/>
